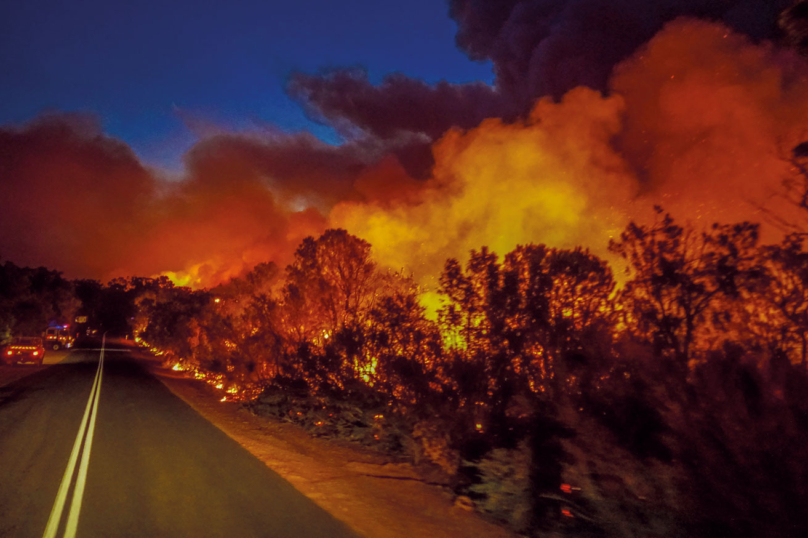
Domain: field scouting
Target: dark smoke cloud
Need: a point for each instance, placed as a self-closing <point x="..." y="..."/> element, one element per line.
<point x="547" y="47"/>
<point x="399" y="106"/>
<point x="538" y="48"/>
<point x="794" y="23"/>
<point x="405" y="113"/>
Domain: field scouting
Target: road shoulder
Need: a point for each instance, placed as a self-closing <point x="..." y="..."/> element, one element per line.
<point x="10" y="374"/>
<point x="375" y="496"/>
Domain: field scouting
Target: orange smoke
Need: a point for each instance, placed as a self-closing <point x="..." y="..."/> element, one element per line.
<point x="70" y="198"/>
<point x="553" y="179"/>
<point x="711" y="120"/>
<point x="700" y="121"/>
<point x="77" y="200"/>
<point x="245" y="200"/>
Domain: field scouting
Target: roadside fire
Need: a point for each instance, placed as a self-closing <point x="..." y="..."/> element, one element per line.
<point x="528" y="303"/>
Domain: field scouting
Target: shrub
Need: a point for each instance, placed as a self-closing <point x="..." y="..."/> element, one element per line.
<point x="502" y="489"/>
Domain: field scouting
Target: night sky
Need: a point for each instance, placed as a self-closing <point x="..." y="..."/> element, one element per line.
<point x="160" y="73"/>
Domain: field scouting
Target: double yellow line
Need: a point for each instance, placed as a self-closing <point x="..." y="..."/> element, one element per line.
<point x="87" y="427"/>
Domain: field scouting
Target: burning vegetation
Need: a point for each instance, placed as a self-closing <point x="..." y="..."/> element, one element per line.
<point x="483" y="280"/>
<point x="552" y="397"/>
<point x="548" y="394"/>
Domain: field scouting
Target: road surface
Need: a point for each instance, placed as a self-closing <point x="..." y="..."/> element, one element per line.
<point x="94" y="448"/>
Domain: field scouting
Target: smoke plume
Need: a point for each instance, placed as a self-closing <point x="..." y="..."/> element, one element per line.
<point x="71" y="198"/>
<point x="80" y="201"/>
<point x="599" y="112"/>
<point x="403" y="112"/>
<point x="700" y="121"/>
<point x="548" y="47"/>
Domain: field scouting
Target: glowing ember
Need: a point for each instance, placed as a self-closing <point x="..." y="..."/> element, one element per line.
<point x="368" y="370"/>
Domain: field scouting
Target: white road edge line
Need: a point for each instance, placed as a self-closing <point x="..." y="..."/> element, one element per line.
<point x="61" y="497"/>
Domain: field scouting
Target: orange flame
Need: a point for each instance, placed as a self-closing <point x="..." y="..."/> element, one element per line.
<point x="708" y="140"/>
<point x="554" y="179"/>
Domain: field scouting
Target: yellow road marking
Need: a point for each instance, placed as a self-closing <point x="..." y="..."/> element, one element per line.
<point x="61" y="497"/>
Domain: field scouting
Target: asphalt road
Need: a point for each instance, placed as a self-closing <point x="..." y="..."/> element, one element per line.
<point x="154" y="467"/>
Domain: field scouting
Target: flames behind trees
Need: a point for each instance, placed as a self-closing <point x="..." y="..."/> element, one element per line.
<point x="700" y="119"/>
<point x="536" y="352"/>
<point x="709" y="140"/>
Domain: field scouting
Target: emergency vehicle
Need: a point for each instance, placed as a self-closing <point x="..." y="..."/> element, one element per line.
<point x="23" y="349"/>
<point x="58" y="337"/>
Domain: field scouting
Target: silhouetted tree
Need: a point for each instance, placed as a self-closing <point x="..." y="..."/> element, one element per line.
<point x="32" y="298"/>
<point x="174" y="323"/>
<point x="678" y="279"/>
<point x="786" y="294"/>
<point x="522" y="327"/>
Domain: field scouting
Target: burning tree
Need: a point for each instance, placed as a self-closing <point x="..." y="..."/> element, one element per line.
<point x="407" y="350"/>
<point x="683" y="283"/>
<point x="330" y="289"/>
<point x="781" y="306"/>
<point x="538" y="371"/>
<point x="522" y="328"/>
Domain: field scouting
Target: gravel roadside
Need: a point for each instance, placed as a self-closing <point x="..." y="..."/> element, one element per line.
<point x="375" y="496"/>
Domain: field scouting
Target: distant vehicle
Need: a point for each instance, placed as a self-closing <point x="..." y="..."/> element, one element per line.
<point x="58" y="337"/>
<point x="24" y="349"/>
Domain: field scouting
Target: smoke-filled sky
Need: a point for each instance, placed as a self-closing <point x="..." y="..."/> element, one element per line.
<point x="196" y="140"/>
<point x="159" y="73"/>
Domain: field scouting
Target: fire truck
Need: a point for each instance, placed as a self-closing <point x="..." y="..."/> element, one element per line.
<point x="58" y="337"/>
<point x="23" y="349"/>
